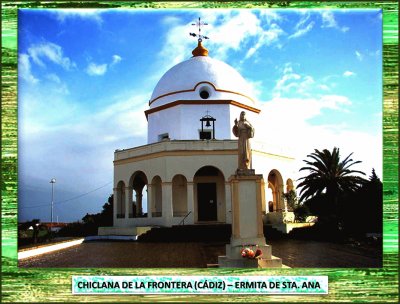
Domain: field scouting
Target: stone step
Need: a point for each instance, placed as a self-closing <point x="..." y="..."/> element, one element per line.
<point x="203" y="232"/>
<point x="273" y="262"/>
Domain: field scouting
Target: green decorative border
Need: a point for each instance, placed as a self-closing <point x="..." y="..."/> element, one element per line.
<point x="54" y="285"/>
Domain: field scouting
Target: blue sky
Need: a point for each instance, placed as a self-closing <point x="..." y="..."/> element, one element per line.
<point x="85" y="77"/>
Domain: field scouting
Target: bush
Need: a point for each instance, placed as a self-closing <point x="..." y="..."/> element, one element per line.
<point x="301" y="212"/>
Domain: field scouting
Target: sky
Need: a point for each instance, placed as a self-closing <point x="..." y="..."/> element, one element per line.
<point x="85" y="78"/>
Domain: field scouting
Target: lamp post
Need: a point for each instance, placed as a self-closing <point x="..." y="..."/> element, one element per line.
<point x="52" y="182"/>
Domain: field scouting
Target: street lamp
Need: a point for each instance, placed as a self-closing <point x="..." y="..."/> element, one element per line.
<point x="52" y="182"/>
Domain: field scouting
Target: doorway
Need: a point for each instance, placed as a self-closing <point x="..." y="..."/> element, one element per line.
<point x="207" y="201"/>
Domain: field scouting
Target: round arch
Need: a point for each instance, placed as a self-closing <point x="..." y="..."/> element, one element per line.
<point x="120" y="199"/>
<point x="289" y="185"/>
<point x="209" y="195"/>
<point x="275" y="183"/>
<point x="137" y="183"/>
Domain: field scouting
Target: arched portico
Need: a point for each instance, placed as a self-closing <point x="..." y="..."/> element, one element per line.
<point x="289" y="185"/>
<point x="137" y="189"/>
<point x="209" y="195"/>
<point x="275" y="183"/>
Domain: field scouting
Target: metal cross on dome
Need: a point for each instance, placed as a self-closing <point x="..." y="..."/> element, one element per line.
<point x="199" y="24"/>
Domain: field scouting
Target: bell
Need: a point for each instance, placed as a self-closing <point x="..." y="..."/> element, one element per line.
<point x="208" y="124"/>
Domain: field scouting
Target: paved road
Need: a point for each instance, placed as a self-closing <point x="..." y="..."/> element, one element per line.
<point x="294" y="253"/>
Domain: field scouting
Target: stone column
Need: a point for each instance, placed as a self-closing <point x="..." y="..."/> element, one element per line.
<point x="247" y="225"/>
<point x="167" y="202"/>
<point x="190" y="201"/>
<point x="285" y="203"/>
<point x="115" y="202"/>
<point x="228" y="203"/>
<point x="139" y="196"/>
<point x="128" y="201"/>
<point x="149" y="200"/>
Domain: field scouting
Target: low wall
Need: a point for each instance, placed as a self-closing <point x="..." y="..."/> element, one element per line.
<point x="287" y="227"/>
<point x="122" y="230"/>
<point x="278" y="218"/>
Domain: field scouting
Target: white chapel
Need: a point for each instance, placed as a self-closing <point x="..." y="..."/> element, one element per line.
<point x="181" y="175"/>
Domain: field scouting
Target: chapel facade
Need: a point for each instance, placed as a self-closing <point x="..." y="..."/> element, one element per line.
<point x="182" y="175"/>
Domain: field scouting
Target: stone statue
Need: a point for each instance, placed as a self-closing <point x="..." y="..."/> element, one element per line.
<point x="244" y="131"/>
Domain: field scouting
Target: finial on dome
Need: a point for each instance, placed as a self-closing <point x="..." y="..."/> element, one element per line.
<point x="200" y="50"/>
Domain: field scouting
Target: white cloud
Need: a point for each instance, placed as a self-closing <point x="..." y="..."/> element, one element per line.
<point x="285" y="83"/>
<point x="116" y="59"/>
<point x="52" y="52"/>
<point x="255" y="87"/>
<point x="298" y="136"/>
<point x="60" y="135"/>
<point x="302" y="31"/>
<point x="228" y="30"/>
<point x="54" y="78"/>
<point x="94" y="69"/>
<point x="294" y="83"/>
<point x="348" y="74"/>
<point x="24" y="69"/>
<point x="302" y="27"/>
<point x="324" y="87"/>
<point x="85" y="14"/>
<point x="291" y="84"/>
<point x="270" y="16"/>
<point x="267" y="37"/>
<point x="329" y="21"/>
<point x="360" y="56"/>
<point x="177" y="45"/>
<point x="232" y="30"/>
<point x="57" y="84"/>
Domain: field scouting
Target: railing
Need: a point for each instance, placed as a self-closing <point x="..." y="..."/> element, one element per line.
<point x="182" y="222"/>
<point x="156" y="214"/>
<point x="179" y="214"/>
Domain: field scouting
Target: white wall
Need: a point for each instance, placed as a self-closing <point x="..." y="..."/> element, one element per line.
<point x="182" y="122"/>
<point x="170" y="165"/>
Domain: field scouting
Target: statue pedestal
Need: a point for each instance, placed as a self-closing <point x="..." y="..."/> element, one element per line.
<point x="247" y="226"/>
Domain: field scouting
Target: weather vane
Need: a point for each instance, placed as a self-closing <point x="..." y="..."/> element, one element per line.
<point x="199" y="24"/>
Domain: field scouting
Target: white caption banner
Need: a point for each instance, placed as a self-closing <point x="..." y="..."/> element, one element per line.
<point x="200" y="285"/>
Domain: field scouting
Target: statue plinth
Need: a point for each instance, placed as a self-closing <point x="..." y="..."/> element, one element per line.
<point x="248" y="194"/>
<point x="247" y="226"/>
<point x="245" y="172"/>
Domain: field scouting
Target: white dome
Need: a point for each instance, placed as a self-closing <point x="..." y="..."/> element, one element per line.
<point x="186" y="80"/>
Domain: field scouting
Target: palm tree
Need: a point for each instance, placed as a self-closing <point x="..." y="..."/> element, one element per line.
<point x="329" y="175"/>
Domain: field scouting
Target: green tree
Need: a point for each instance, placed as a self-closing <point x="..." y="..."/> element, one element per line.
<point x="91" y="222"/>
<point x="330" y="177"/>
<point x="300" y="210"/>
<point x="364" y="208"/>
<point x="291" y="199"/>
